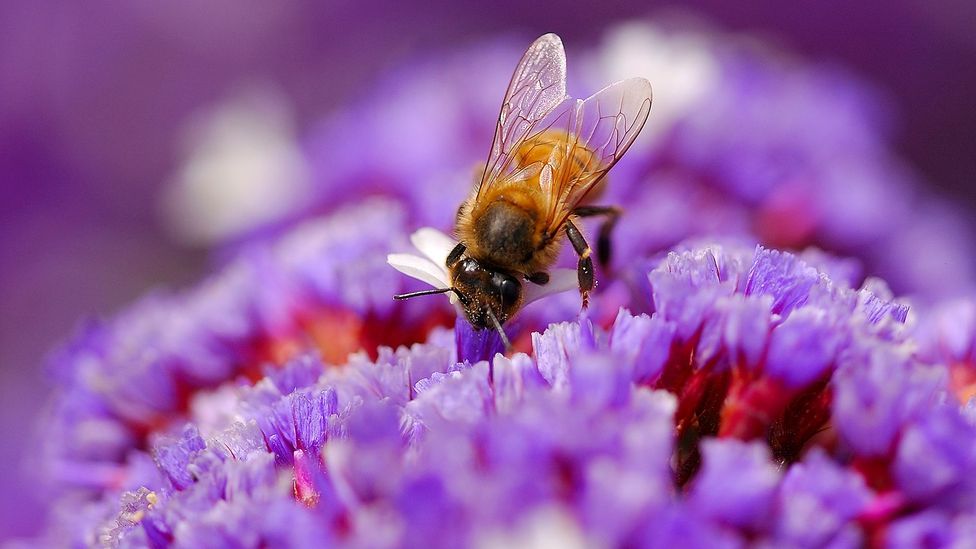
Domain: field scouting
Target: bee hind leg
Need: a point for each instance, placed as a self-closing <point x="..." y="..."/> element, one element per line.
<point x="603" y="244"/>
<point x="584" y="269"/>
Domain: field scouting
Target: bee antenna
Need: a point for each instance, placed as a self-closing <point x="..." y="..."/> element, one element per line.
<point x="424" y="292"/>
<point x="498" y="328"/>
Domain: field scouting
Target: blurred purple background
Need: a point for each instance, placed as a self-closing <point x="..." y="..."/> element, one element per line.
<point x="94" y="100"/>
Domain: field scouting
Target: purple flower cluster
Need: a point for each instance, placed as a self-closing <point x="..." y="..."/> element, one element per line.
<point x="762" y="402"/>
<point x="325" y="286"/>
<point x="722" y="395"/>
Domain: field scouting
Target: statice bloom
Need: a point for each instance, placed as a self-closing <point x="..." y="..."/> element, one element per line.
<point x="947" y="334"/>
<point x="325" y="286"/>
<point x="719" y="391"/>
<point x="764" y="400"/>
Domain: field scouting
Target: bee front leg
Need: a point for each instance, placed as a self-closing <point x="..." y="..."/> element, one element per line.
<point x="455" y="255"/>
<point x="584" y="269"/>
<point x="612" y="213"/>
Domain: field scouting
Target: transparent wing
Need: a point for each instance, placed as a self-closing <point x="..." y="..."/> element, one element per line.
<point x="537" y="87"/>
<point x="599" y="131"/>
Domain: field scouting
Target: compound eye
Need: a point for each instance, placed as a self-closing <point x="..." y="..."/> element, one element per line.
<point x="509" y="288"/>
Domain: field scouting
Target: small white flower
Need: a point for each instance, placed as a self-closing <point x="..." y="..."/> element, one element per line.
<point x="682" y="64"/>
<point x="243" y="169"/>
<point x="431" y="267"/>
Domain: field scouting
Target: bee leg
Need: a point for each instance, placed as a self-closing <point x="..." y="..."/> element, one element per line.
<point x="455" y="254"/>
<point x="612" y="213"/>
<point x="584" y="269"/>
<point x="540" y="278"/>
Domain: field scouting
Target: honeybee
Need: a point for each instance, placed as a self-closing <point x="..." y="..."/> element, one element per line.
<point x="549" y="154"/>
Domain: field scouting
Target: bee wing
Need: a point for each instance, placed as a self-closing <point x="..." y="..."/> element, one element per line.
<point x="537" y="87"/>
<point x="605" y="124"/>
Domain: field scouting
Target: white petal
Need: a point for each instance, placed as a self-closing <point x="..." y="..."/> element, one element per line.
<point x="560" y="280"/>
<point x="419" y="268"/>
<point x="433" y="244"/>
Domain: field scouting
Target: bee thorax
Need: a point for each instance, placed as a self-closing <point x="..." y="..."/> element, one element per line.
<point x="505" y="233"/>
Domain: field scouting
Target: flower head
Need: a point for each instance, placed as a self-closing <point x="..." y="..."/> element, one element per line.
<point x="757" y="397"/>
<point x="325" y="286"/>
<point x="695" y="419"/>
<point x="947" y="335"/>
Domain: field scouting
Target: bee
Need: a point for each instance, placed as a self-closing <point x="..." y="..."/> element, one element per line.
<point x="549" y="154"/>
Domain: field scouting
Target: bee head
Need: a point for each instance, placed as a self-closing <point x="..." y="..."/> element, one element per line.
<point x="486" y="293"/>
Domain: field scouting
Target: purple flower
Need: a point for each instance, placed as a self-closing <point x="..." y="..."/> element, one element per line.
<point x="679" y="525"/>
<point x="737" y="483"/>
<point x="947" y="335"/>
<point x="877" y="391"/>
<point x="935" y="458"/>
<point x="804" y="346"/>
<point x="607" y="435"/>
<point x="765" y="330"/>
<point x="817" y="504"/>
<point x="758" y="397"/>
<point x="930" y="529"/>
<point x="318" y="287"/>
<point x="643" y="342"/>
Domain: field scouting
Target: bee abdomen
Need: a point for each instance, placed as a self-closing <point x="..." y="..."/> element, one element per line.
<point x="505" y="234"/>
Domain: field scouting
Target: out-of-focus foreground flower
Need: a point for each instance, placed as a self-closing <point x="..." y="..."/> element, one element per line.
<point x="742" y="396"/>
